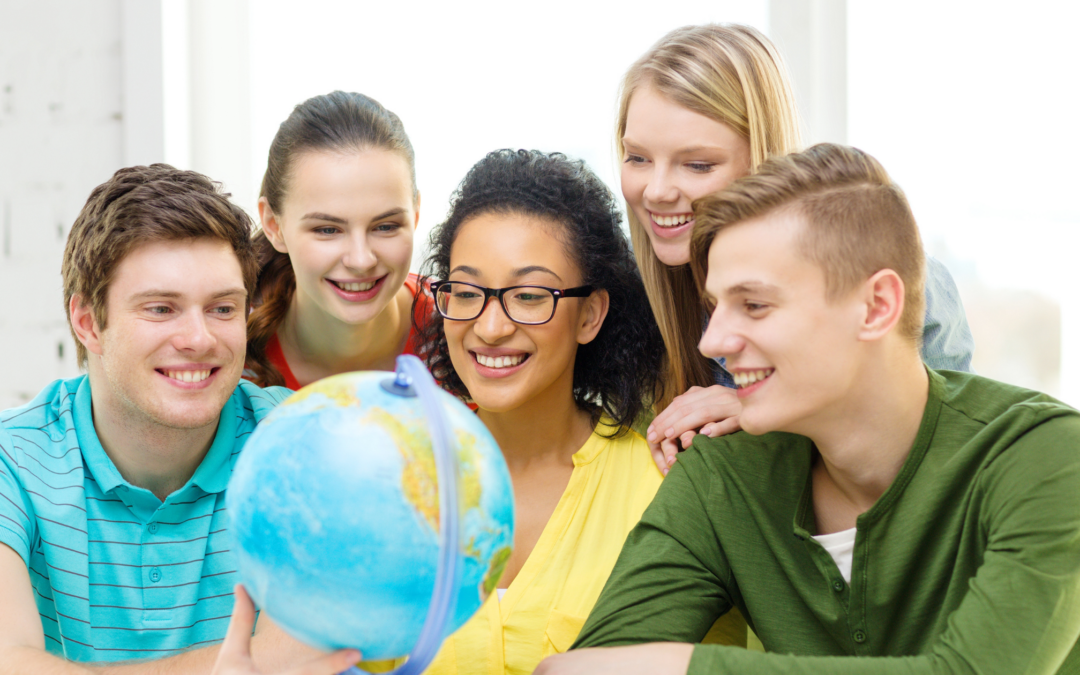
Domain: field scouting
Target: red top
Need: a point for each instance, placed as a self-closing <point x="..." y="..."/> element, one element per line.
<point x="412" y="343"/>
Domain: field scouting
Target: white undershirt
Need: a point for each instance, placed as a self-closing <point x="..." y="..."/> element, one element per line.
<point x="841" y="546"/>
<point x="502" y="592"/>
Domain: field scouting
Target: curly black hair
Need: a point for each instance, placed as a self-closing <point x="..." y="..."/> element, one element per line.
<point x="618" y="373"/>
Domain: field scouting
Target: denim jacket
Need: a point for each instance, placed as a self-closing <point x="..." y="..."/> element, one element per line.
<point x="947" y="341"/>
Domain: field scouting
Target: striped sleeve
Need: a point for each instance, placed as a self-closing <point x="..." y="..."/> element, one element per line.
<point x="16" y="512"/>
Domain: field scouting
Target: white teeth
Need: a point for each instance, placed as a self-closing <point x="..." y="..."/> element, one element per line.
<point x="188" y="375"/>
<point x="499" y="361"/>
<point x="671" y="221"/>
<point x="355" y="287"/>
<point x="747" y="378"/>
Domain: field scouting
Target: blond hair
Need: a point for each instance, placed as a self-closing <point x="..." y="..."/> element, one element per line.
<point x="857" y="221"/>
<point x="732" y="74"/>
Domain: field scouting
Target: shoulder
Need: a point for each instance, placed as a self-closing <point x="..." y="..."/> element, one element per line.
<point x="1019" y="437"/>
<point x="622" y="465"/>
<point x="258" y="401"/>
<point x="45" y="421"/>
<point x="987" y="402"/>
<point x="772" y="463"/>
<point x="46" y="407"/>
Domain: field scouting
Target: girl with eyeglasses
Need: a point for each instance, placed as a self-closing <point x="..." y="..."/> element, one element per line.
<point x="338" y="209"/>
<point x="543" y="323"/>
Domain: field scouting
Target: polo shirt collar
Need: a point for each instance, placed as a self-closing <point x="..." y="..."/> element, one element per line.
<point x="211" y="476"/>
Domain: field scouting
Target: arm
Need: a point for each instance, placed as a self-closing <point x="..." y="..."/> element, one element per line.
<point x="670" y="581"/>
<point x="947" y="341"/>
<point x="22" y="640"/>
<point x="1021" y="613"/>
<point x="712" y="411"/>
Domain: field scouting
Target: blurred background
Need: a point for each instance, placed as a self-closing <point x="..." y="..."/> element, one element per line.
<point x="971" y="107"/>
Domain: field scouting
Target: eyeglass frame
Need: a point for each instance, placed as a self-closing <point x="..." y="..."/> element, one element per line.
<point x="498" y="293"/>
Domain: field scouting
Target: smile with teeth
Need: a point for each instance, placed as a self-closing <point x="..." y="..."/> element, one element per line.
<point x="500" y="361"/>
<point x="749" y="377"/>
<point x="366" y="286"/>
<point x="671" y="221"/>
<point x="187" y="375"/>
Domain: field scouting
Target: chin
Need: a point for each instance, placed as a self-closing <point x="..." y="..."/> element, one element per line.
<point x="188" y="417"/>
<point x="757" y="427"/>
<point x="672" y="254"/>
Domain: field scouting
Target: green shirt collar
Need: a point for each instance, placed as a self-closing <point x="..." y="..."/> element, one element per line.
<point x="803" y="525"/>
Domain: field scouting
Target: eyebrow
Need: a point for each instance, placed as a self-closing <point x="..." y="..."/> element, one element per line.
<point x="682" y="151"/>
<point x="176" y="294"/>
<point x="324" y="216"/>
<point x="745" y="287"/>
<point x="520" y="272"/>
<point x="316" y="215"/>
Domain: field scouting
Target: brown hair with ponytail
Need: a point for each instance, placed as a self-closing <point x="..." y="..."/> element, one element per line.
<point x="335" y="122"/>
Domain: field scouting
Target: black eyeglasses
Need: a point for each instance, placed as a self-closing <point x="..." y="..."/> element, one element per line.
<point x="529" y="305"/>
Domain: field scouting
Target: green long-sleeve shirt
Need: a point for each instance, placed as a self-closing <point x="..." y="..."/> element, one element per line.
<point x="969" y="563"/>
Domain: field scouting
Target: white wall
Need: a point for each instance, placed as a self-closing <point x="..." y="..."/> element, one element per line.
<point x="61" y="133"/>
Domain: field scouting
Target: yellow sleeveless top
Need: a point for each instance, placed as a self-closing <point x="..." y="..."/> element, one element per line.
<point x="545" y="607"/>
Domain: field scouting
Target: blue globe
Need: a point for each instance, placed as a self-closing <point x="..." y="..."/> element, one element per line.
<point x="335" y="515"/>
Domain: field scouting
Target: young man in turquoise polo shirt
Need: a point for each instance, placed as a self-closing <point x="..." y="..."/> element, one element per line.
<point x="875" y="517"/>
<point x="112" y="485"/>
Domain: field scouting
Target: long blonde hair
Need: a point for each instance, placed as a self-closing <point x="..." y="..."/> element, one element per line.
<point x="734" y="75"/>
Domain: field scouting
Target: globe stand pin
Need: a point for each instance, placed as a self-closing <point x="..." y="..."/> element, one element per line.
<point x="399" y="385"/>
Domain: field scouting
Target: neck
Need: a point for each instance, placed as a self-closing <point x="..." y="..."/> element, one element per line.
<point x="331" y="346"/>
<point x="549" y="428"/>
<point x="147" y="454"/>
<point x="866" y="437"/>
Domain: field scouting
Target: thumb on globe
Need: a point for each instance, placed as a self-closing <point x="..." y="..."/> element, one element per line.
<point x="235" y="654"/>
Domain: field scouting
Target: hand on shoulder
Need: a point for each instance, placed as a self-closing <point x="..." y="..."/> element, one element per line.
<point x="713" y="411"/>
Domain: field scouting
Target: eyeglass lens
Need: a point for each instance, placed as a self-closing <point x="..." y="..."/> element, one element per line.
<point x="525" y="304"/>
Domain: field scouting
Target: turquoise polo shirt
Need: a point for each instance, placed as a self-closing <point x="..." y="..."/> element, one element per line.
<point x="117" y="573"/>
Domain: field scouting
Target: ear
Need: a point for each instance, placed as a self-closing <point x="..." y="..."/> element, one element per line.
<point x="271" y="226"/>
<point x="592" y="316"/>
<point x="883" y="296"/>
<point x="84" y="325"/>
<point x="416" y="216"/>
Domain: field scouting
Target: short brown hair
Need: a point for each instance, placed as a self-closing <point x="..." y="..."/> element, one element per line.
<point x="858" y="221"/>
<point x="142" y="204"/>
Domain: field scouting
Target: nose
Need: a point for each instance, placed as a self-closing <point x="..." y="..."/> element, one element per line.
<point x="661" y="188"/>
<point x="359" y="256"/>
<point x="493" y="324"/>
<point x="720" y="338"/>
<point x="193" y="334"/>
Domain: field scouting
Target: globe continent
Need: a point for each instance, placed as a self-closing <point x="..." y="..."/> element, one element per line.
<point x="334" y="515"/>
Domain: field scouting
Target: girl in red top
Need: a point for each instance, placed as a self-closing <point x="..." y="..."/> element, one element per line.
<point x="338" y="208"/>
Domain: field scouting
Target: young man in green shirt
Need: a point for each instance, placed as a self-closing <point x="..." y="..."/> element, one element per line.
<point x="876" y="516"/>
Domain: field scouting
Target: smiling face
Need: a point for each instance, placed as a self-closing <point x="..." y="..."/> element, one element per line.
<point x="672" y="156"/>
<point x="347" y="223"/>
<point x="794" y="353"/>
<point x="505" y="365"/>
<point x="173" y="347"/>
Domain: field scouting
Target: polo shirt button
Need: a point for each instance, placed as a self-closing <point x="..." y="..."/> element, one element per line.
<point x="838" y="585"/>
<point x="155" y="576"/>
<point x="859" y="636"/>
<point x="153" y="527"/>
